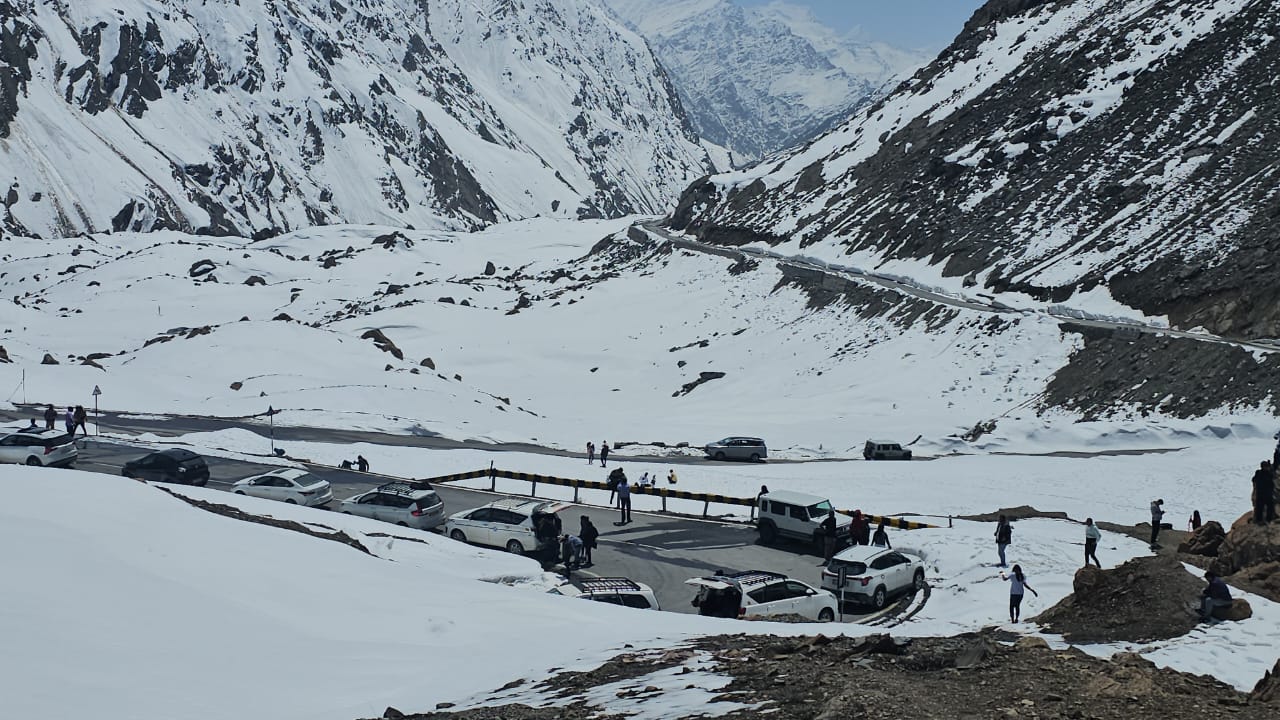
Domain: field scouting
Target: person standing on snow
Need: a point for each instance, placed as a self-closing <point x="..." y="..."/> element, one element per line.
<point x="859" y="529"/>
<point x="1004" y="536"/>
<point x="1017" y="586"/>
<point x="80" y="418"/>
<point x="1264" y="494"/>
<point x="881" y="538"/>
<point x="624" y="501"/>
<point x="604" y="453"/>
<point x="588" y="533"/>
<point x="69" y="420"/>
<point x="1157" y="512"/>
<point x="591" y="452"/>
<point x="1091" y="537"/>
<point x="50" y="417"/>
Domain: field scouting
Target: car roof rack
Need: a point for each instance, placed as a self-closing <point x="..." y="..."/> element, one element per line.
<point x="403" y="487"/>
<point x="753" y="577"/>
<point x="598" y="584"/>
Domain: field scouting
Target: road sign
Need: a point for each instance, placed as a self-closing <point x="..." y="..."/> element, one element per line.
<point x="97" y="391"/>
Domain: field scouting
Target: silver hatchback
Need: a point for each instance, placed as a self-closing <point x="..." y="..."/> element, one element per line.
<point x="37" y="447"/>
<point x="403" y="503"/>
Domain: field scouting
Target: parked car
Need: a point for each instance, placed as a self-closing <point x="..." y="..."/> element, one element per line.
<point x="760" y="593"/>
<point x="614" y="590"/>
<point x="411" y="504"/>
<point x="294" y="486"/>
<point x="873" y="574"/>
<point x="37" y="447"/>
<point x="510" y="524"/>
<point x="882" y="450"/>
<point x="797" y="515"/>
<point x="173" y="465"/>
<point x="737" y="448"/>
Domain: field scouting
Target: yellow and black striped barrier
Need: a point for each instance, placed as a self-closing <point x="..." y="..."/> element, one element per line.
<point x="663" y="492"/>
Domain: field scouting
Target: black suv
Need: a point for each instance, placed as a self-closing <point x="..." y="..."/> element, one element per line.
<point x="173" y="465"/>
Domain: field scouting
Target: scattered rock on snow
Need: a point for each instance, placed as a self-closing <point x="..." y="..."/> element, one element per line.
<point x="1205" y="540"/>
<point x="4" y="355"/>
<point x="237" y="385"/>
<point x="428" y="363"/>
<point x="201" y="267"/>
<point x="490" y="268"/>
<point x="384" y="344"/>
<point x="255" y="280"/>
<point x="702" y="378"/>
<point x="48" y="360"/>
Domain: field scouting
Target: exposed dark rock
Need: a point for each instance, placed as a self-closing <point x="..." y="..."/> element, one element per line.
<point x="1205" y="540"/>
<point x="703" y="377"/>
<point x="237" y="385"/>
<point x="201" y="267"/>
<point x="384" y="344"/>
<point x="48" y="360"/>
<point x="490" y="269"/>
<point x="255" y="280"/>
<point x="4" y="355"/>
<point x="522" y="303"/>
<point x="283" y="316"/>
<point x="428" y="363"/>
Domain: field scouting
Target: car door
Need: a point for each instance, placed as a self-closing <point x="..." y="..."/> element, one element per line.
<point x="284" y="490"/>
<point x="367" y="505"/>
<point x="804" y="601"/>
<point x="475" y="525"/>
<point x="10" y="452"/>
<point x="146" y="468"/>
<point x="261" y="487"/>
<point x="901" y="572"/>
<point x="769" y="600"/>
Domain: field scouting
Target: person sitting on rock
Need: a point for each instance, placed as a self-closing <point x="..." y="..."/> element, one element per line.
<point x="1215" y="595"/>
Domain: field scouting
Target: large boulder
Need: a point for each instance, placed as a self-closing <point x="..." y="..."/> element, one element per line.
<point x="1247" y="545"/>
<point x="1238" y="610"/>
<point x="1205" y="540"/>
<point x="1268" y="688"/>
<point x="1262" y="579"/>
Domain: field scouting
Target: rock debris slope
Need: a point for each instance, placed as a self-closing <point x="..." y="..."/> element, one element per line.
<point x="1055" y="148"/>
<point x="260" y="116"/>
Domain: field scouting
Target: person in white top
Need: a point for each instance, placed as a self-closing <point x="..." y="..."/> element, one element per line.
<point x="1017" y="587"/>
<point x="1091" y="537"/>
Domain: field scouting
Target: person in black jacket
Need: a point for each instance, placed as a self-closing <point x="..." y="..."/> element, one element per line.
<point x="1264" y="494"/>
<point x="828" y="537"/>
<point x="881" y="538"/>
<point x="1215" y="595"/>
<point x="50" y="417"/>
<point x="588" y="533"/>
<point x="1004" y="536"/>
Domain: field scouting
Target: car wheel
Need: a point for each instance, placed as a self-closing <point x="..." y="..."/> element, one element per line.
<point x="755" y="457"/>
<point x="907" y="456"/>
<point x="826" y="615"/>
<point x="458" y="535"/>
<point x="879" y="456"/>
<point x="346" y="512"/>
<point x="239" y="492"/>
<point x="917" y="582"/>
<point x="33" y="461"/>
<point x="719" y="455"/>
<point x="879" y="598"/>
<point x="768" y="532"/>
<point x="403" y="524"/>
<point x="290" y="501"/>
<point x="514" y="547"/>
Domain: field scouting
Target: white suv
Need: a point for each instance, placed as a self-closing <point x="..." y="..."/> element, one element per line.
<point x="403" y="503"/>
<point x="873" y="574"/>
<point x="797" y="515"/>
<point x="511" y="524"/>
<point x="613" y="590"/>
<point x="37" y="446"/>
<point x="760" y="593"/>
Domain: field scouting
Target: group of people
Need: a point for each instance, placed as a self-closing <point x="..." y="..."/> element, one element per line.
<point x="604" y="453"/>
<point x="859" y="532"/>
<point x="75" y="418"/>
<point x="573" y="551"/>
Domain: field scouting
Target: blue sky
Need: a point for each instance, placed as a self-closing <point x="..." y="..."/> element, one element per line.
<point x="925" y="24"/>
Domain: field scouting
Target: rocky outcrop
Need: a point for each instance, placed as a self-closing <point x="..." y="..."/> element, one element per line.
<point x="383" y="343"/>
<point x="1144" y="599"/>
<point x="1205" y="540"/>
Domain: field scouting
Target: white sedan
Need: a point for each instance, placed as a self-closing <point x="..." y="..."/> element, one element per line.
<point x="296" y="487"/>
<point x="37" y="446"/>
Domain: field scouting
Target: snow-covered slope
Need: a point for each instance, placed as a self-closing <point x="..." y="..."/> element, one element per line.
<point x="244" y="116"/>
<point x="1057" y="150"/>
<point x="757" y="80"/>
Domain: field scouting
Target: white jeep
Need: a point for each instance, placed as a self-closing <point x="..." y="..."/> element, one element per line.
<point x="797" y="515"/>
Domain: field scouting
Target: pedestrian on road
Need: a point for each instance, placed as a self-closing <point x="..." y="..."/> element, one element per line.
<point x="1264" y="494"/>
<point x="1215" y="595"/>
<point x="881" y="538"/>
<point x="1004" y="536"/>
<point x="671" y="476"/>
<point x="1157" y="512"/>
<point x="604" y="453"/>
<point x="69" y="420"/>
<point x="50" y="417"/>
<point x="361" y="464"/>
<point x="588" y="533"/>
<point x="624" y="501"/>
<point x="1091" y="537"/>
<point x="1194" y="524"/>
<point x="616" y="478"/>
<point x="859" y="529"/>
<point x="591" y="452"/>
<point x="80" y="417"/>
<point x="570" y="552"/>
<point x="1017" y="586"/>
<point x="828" y="536"/>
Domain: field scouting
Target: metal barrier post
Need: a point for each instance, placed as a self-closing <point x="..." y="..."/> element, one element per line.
<point x="576" y="484"/>
<point x="706" y="505"/>
<point x="533" y="488"/>
<point x="664" y="501"/>
<point x="493" y="478"/>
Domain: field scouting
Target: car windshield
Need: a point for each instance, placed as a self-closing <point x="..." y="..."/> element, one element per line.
<point x="820" y="510"/>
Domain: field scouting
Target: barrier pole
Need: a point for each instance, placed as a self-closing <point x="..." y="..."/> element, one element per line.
<point x="706" y="506"/>
<point x="493" y="478"/>
<point x="533" y="488"/>
<point x="576" y="484"/>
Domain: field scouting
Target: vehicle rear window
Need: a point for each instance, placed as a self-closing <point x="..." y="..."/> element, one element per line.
<point x="193" y="463"/>
<point x="852" y="567"/>
<point x="428" y="501"/>
<point x="54" y="441"/>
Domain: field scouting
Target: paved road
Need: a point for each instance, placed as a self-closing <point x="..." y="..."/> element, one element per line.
<point x="985" y="304"/>
<point x="660" y="550"/>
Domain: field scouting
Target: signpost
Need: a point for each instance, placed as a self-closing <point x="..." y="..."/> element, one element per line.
<point x="97" y="420"/>
<point x="271" y="415"/>
<point x="842" y="576"/>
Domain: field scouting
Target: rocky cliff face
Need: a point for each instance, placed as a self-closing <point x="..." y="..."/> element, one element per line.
<point x="256" y="116"/>
<point x="756" y="80"/>
<point x="1055" y="148"/>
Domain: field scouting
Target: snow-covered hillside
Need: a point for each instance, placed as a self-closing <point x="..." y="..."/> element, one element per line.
<point x="756" y="80"/>
<point x="260" y="116"/>
<point x="1062" y="151"/>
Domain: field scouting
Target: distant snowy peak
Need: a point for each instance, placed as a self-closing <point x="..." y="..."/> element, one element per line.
<point x="261" y="116"/>
<point x="757" y="80"/>
<point x="1055" y="148"/>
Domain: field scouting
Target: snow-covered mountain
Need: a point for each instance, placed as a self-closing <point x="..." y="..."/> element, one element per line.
<point x="756" y="80"/>
<point x="1096" y="150"/>
<point x="260" y="116"/>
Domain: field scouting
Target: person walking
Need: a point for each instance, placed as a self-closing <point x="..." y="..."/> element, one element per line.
<point x="604" y="453"/>
<point x="1091" y="537"/>
<point x="1004" y="536"/>
<point x="588" y="533"/>
<point x="828" y="537"/>
<point x="624" y="501"/>
<point x="1017" y="588"/>
<point x="1157" y="512"/>
<point x="881" y="538"/>
<point x="1264" y="494"/>
<point x="69" y="420"/>
<point x="80" y="418"/>
<point x="591" y="452"/>
<point x="361" y="464"/>
<point x="50" y="417"/>
<point x="1215" y="595"/>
